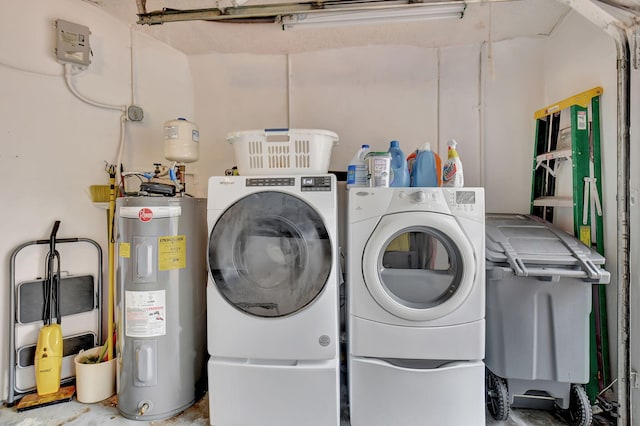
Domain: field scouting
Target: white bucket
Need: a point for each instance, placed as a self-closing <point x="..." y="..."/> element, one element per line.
<point x="94" y="382"/>
<point x="181" y="141"/>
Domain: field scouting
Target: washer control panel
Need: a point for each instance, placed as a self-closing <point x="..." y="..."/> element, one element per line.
<point x="271" y="181"/>
<point x="315" y="183"/>
<point x="307" y="183"/>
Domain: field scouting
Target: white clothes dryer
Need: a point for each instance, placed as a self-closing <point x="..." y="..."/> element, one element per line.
<point x="272" y="301"/>
<point x="416" y="305"/>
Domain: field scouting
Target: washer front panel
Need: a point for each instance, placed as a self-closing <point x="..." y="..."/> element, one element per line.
<point x="270" y="254"/>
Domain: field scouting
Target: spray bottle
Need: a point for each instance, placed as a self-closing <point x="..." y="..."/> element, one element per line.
<point x="452" y="171"/>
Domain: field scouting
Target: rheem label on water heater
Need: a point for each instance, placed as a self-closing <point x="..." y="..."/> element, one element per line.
<point x="145" y="313"/>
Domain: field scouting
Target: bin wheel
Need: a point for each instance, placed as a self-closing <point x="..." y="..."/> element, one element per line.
<point x="579" y="411"/>
<point x="497" y="396"/>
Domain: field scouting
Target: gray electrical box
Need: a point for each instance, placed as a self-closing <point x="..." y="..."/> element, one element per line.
<point x="72" y="43"/>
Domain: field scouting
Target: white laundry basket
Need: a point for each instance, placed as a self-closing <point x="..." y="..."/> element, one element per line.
<point x="282" y="151"/>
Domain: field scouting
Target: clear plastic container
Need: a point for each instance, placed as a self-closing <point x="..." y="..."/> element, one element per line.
<point x="378" y="169"/>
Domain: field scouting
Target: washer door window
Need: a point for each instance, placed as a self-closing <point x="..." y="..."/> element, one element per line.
<point x="270" y="254"/>
<point x="420" y="271"/>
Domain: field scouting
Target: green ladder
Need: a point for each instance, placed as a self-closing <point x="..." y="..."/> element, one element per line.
<point x="577" y="139"/>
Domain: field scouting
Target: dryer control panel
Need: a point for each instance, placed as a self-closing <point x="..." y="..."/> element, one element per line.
<point x="465" y="197"/>
<point x="468" y="202"/>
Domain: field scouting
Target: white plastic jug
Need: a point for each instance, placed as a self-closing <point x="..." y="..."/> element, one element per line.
<point x="357" y="168"/>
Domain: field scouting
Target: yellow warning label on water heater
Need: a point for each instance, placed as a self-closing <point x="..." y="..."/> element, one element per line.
<point x="124" y="250"/>
<point x="172" y="252"/>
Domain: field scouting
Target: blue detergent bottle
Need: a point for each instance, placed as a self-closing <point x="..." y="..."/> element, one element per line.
<point x="425" y="168"/>
<point x="399" y="170"/>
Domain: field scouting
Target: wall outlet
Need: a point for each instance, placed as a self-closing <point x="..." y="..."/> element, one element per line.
<point x="135" y="113"/>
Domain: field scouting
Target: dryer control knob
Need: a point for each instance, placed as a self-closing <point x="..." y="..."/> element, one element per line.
<point x="419" y="196"/>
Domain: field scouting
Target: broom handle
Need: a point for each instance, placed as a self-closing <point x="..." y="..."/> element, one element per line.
<point x="110" y="302"/>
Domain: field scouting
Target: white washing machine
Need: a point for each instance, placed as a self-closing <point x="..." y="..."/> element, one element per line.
<point x="416" y="304"/>
<point x="272" y="301"/>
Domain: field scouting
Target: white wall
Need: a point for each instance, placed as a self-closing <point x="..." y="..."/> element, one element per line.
<point x="512" y="96"/>
<point x="460" y="110"/>
<point x="234" y="92"/>
<point x="376" y="94"/>
<point x="368" y="95"/>
<point x="53" y="146"/>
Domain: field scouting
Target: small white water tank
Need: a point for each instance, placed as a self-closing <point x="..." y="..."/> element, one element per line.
<point x="181" y="141"/>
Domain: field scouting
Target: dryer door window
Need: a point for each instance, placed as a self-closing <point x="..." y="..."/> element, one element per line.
<point x="419" y="267"/>
<point x="270" y="254"/>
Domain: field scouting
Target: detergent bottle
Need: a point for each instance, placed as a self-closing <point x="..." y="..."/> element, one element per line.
<point x="357" y="168"/>
<point x="399" y="170"/>
<point x="411" y="159"/>
<point x="452" y="171"/>
<point x="425" y="170"/>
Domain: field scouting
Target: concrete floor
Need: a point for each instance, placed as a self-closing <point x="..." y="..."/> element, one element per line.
<point x="106" y="413"/>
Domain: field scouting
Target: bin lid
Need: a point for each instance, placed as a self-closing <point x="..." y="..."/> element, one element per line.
<point x="524" y="241"/>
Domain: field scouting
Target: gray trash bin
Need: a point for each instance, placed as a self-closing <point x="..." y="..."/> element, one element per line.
<point x="539" y="283"/>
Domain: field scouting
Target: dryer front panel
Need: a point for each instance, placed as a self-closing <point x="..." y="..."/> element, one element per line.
<point x="270" y="254"/>
<point x="419" y="265"/>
